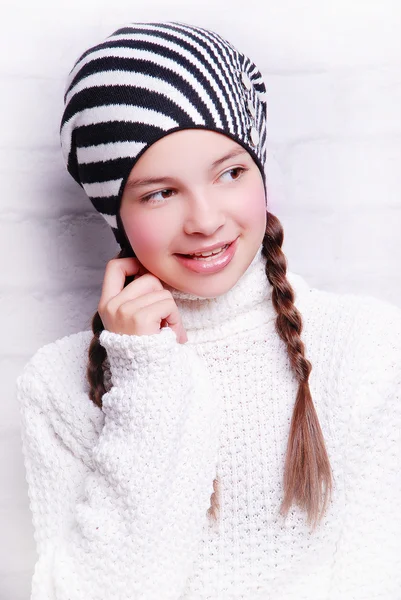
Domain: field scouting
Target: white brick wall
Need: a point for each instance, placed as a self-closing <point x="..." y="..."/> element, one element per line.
<point x="334" y="98"/>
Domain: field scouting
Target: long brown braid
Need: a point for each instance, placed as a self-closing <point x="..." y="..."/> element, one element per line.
<point x="307" y="467"/>
<point x="307" y="471"/>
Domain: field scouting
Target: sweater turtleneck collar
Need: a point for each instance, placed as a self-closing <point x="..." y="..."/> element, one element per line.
<point x="246" y="305"/>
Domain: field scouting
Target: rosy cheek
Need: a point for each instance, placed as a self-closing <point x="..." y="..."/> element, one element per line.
<point x="146" y="235"/>
<point x="256" y="205"/>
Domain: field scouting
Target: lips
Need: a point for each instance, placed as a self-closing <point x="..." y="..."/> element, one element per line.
<point x="212" y="264"/>
<point x="207" y="253"/>
<point x="207" y="248"/>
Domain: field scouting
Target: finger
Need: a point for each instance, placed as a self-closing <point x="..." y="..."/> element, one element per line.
<point x="116" y="272"/>
<point x="164" y="309"/>
<point x="142" y="286"/>
<point x="183" y="338"/>
<point x="183" y="334"/>
<point x="133" y="305"/>
<point x="174" y="321"/>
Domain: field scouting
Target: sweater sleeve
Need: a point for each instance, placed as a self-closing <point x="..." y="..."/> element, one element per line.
<point x="129" y="527"/>
<point x="368" y="558"/>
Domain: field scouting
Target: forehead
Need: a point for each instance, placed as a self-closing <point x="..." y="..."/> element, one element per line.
<point x="197" y="147"/>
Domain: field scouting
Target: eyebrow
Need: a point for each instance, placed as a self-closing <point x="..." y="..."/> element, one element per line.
<point x="134" y="183"/>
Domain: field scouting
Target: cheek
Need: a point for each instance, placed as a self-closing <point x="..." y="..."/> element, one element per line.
<point x="254" y="210"/>
<point x="147" y="233"/>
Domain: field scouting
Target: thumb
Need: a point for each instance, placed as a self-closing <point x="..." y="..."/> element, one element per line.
<point x="183" y="336"/>
<point x="178" y="329"/>
<point x="180" y="333"/>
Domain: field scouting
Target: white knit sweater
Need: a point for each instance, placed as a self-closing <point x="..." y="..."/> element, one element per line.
<point x="119" y="496"/>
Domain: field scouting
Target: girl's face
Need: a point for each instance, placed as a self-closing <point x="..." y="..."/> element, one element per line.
<point x="206" y="190"/>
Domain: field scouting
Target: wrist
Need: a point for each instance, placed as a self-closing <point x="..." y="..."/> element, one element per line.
<point x="128" y="354"/>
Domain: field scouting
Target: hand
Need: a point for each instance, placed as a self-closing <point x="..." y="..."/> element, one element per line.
<point x="142" y="306"/>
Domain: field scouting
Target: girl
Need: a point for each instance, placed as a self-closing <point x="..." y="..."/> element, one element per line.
<point x="193" y="445"/>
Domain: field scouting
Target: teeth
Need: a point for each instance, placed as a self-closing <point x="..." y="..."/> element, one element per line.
<point x="212" y="252"/>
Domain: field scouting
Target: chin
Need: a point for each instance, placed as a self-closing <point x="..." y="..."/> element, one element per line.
<point x="211" y="289"/>
<point x="216" y="290"/>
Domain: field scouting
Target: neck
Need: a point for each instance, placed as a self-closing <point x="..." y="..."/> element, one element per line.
<point x="247" y="303"/>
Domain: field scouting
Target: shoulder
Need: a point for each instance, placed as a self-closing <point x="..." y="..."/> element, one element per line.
<point x="367" y="318"/>
<point x="54" y="383"/>
<point x="361" y="333"/>
<point x="63" y="361"/>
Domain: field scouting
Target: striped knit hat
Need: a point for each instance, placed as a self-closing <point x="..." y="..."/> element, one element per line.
<point x="143" y="82"/>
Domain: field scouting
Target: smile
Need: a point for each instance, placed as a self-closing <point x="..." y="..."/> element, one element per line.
<point x="209" y="262"/>
<point x="207" y="255"/>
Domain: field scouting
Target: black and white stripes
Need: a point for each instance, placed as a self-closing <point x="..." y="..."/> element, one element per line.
<point x="143" y="82"/>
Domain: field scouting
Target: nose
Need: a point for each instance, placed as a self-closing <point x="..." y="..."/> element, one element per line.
<point x="204" y="214"/>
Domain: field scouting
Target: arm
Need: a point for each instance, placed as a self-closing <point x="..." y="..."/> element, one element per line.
<point x="368" y="559"/>
<point x="133" y="527"/>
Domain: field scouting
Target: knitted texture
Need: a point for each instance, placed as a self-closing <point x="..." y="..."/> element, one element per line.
<point x="119" y="496"/>
<point x="143" y="82"/>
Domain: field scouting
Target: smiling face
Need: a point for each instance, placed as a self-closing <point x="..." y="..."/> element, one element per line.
<point x="196" y="200"/>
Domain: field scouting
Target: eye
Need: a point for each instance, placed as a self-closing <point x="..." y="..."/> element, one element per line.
<point x="236" y="171"/>
<point x="152" y="197"/>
